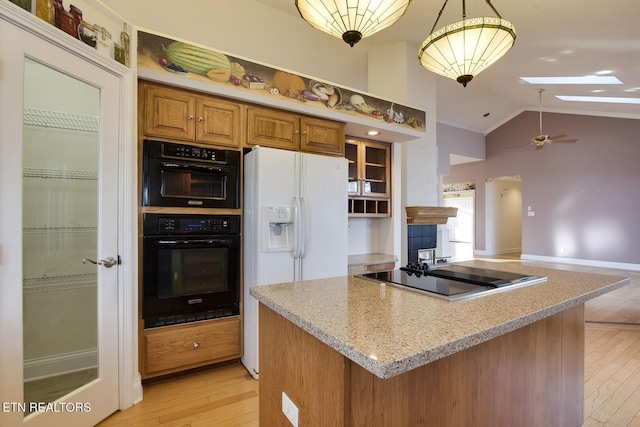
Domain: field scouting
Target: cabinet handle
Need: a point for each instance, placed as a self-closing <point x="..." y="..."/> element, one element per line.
<point x="200" y="119"/>
<point x="296" y="132"/>
<point x="191" y="117"/>
<point x="304" y="133"/>
<point x="196" y="345"/>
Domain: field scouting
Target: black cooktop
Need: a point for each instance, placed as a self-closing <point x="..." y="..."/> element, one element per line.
<point x="454" y="281"/>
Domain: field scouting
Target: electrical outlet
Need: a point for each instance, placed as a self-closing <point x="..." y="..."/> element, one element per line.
<point x="289" y="409"/>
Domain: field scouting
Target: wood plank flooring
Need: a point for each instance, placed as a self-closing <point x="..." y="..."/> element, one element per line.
<point x="227" y="396"/>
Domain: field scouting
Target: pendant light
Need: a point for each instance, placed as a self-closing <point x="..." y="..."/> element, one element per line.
<point x="463" y="49"/>
<point x="351" y="20"/>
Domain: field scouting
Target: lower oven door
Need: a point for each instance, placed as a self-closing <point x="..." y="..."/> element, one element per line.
<point x="183" y="274"/>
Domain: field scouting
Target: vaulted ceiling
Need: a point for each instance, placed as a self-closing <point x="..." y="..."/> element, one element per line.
<point x="554" y="38"/>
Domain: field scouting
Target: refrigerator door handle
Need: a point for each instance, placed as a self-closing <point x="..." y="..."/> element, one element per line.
<point x="295" y="254"/>
<point x="304" y="214"/>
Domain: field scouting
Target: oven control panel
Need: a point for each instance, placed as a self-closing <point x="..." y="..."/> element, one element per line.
<point x="155" y="224"/>
<point x="186" y="224"/>
<point x="159" y="149"/>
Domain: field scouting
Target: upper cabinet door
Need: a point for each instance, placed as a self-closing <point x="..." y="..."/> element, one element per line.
<point x="169" y="113"/>
<point x="272" y="128"/>
<point x="369" y="168"/>
<point x="321" y="136"/>
<point x="218" y="122"/>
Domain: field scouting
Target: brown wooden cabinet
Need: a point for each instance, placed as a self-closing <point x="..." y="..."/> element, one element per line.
<point x="369" y="184"/>
<point x="187" y="116"/>
<point x="175" y="348"/>
<point x="281" y="129"/>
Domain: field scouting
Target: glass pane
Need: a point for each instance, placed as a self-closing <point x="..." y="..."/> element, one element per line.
<point x="60" y="195"/>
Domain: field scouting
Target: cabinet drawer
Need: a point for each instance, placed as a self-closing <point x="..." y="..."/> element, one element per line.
<point x="191" y="345"/>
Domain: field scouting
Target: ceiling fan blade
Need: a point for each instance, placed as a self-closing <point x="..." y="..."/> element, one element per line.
<point x="555" y="141"/>
<point x="522" y="145"/>
<point x="562" y="135"/>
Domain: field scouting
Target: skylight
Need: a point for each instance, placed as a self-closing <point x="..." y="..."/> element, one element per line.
<point x="584" y="80"/>
<point x="606" y="99"/>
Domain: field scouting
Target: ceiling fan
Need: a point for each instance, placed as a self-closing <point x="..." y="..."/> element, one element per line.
<point x="540" y="140"/>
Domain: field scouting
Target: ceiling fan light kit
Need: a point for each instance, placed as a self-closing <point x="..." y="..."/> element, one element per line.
<point x="351" y="20"/>
<point x="463" y="49"/>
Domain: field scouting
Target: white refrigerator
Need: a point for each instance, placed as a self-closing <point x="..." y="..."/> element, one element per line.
<point x="295" y="226"/>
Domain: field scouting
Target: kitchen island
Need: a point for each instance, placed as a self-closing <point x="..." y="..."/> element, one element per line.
<point x="351" y="352"/>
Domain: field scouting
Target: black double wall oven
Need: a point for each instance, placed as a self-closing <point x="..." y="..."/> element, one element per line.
<point x="190" y="261"/>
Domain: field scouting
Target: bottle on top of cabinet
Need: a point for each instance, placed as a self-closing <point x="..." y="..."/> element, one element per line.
<point x="104" y="40"/>
<point x="125" y="43"/>
<point x="46" y="11"/>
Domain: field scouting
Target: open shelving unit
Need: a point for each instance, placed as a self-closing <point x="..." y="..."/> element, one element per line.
<point x="369" y="178"/>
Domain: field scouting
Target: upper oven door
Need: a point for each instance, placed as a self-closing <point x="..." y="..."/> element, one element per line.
<point x="171" y="182"/>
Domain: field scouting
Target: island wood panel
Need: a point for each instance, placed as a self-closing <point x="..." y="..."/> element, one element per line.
<point x="533" y="375"/>
<point x="313" y="375"/>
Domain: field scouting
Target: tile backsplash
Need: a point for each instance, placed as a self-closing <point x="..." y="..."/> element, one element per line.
<point x="420" y="237"/>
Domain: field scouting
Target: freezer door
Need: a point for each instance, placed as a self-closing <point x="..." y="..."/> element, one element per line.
<point x="323" y="196"/>
<point x="268" y="181"/>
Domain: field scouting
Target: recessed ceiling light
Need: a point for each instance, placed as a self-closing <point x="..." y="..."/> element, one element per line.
<point x="632" y="89"/>
<point x="373" y="133"/>
<point x="597" y="91"/>
<point x="584" y="80"/>
<point x="604" y="72"/>
<point x="605" y="99"/>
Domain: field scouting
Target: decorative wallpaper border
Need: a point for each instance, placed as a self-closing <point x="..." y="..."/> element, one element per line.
<point x="459" y="186"/>
<point x="159" y="53"/>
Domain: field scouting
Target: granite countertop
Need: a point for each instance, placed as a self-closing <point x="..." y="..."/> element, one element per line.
<point x="362" y="260"/>
<point x="389" y="331"/>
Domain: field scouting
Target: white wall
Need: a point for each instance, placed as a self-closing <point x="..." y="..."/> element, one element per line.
<point x="394" y="73"/>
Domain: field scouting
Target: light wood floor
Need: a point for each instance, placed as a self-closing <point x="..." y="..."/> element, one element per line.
<point x="227" y="396"/>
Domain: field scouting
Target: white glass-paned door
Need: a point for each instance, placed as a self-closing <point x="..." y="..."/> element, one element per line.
<point x="59" y="133"/>
<point x="60" y="148"/>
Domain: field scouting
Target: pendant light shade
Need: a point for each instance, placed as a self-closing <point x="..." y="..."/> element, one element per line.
<point x="351" y="20"/>
<point x="463" y="49"/>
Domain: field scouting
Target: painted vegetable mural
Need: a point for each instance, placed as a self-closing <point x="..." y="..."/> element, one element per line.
<point x="203" y="64"/>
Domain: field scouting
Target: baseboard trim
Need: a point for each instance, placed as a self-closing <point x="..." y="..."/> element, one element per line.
<point x="45" y="367"/>
<point x="137" y="390"/>
<point x="585" y="262"/>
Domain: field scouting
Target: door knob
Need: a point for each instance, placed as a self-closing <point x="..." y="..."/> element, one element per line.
<point x="107" y="262"/>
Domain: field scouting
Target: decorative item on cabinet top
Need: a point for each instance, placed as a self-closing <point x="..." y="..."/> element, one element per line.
<point x="163" y="54"/>
<point x="73" y="22"/>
